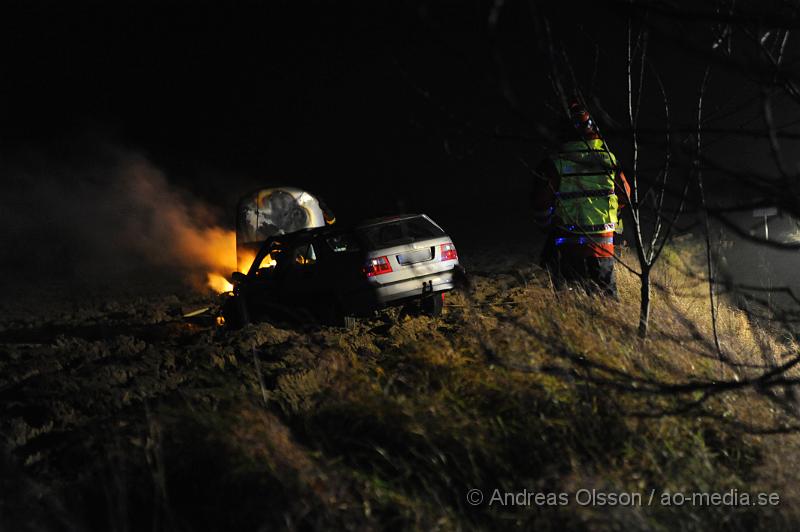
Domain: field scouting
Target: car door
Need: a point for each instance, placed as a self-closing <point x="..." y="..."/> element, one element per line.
<point x="302" y="276"/>
<point x="264" y="286"/>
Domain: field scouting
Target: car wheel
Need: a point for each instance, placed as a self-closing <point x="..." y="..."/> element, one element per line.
<point x="234" y="311"/>
<point x="432" y="305"/>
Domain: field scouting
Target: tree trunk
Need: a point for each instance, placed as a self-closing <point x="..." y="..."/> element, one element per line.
<point x="644" y="306"/>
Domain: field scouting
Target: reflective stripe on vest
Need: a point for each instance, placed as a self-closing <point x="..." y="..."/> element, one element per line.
<point x="584" y="194"/>
<point x="585" y="200"/>
<point x="584" y="240"/>
<point x="589" y="229"/>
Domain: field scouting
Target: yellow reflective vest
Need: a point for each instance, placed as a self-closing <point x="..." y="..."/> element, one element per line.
<point x="586" y="203"/>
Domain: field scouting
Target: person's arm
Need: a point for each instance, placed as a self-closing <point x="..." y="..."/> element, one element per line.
<point x="623" y="192"/>
<point x="622" y="189"/>
<point x="543" y="197"/>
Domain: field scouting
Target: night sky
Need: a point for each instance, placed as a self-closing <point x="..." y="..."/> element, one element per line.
<point x="360" y="103"/>
<point x="400" y="102"/>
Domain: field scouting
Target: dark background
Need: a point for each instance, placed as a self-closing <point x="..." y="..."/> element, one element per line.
<point x="435" y="107"/>
<point x="420" y="105"/>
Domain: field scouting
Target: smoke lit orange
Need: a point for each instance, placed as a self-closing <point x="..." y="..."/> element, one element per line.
<point x="222" y="251"/>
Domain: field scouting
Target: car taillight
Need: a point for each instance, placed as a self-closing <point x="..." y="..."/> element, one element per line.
<point x="377" y="266"/>
<point x="449" y="251"/>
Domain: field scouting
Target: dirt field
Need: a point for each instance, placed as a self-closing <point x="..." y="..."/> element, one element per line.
<point x="119" y="415"/>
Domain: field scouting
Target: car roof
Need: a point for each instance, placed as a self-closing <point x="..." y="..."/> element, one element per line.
<point x="312" y="232"/>
<point x="306" y="234"/>
<point x="387" y="219"/>
<point x="309" y="232"/>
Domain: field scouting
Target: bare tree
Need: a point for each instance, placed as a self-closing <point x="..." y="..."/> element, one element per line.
<point x="748" y="44"/>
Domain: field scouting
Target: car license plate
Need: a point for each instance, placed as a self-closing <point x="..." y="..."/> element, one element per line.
<point x="413" y="257"/>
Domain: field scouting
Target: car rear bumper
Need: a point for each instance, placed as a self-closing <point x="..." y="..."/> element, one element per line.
<point x="375" y="296"/>
<point x="388" y="294"/>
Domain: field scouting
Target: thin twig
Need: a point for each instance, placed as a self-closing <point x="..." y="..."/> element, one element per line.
<point x="706" y="224"/>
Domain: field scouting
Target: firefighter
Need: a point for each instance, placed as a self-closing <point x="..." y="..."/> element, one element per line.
<point x="578" y="194"/>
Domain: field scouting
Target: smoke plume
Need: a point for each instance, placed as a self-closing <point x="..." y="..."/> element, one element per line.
<point x="119" y="219"/>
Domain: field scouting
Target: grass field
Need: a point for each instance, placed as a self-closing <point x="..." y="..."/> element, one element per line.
<point x="119" y="416"/>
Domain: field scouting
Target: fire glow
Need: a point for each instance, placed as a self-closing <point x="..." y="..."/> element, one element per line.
<point x="225" y="262"/>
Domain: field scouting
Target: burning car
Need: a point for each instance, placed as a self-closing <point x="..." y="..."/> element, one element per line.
<point x="333" y="274"/>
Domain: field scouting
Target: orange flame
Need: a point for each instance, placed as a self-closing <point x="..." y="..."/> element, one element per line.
<point x="218" y="283"/>
<point x="224" y="261"/>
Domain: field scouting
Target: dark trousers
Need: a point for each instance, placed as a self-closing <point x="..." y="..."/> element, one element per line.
<point x="594" y="274"/>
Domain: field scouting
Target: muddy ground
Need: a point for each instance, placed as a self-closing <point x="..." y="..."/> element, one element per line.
<point x="99" y="382"/>
<point x="117" y="414"/>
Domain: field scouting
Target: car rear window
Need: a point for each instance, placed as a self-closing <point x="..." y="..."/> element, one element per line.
<point x="399" y="232"/>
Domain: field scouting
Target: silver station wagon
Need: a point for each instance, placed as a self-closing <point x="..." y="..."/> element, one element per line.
<point x="335" y="274"/>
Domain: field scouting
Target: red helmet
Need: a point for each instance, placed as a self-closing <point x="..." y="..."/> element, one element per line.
<point x="582" y="120"/>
